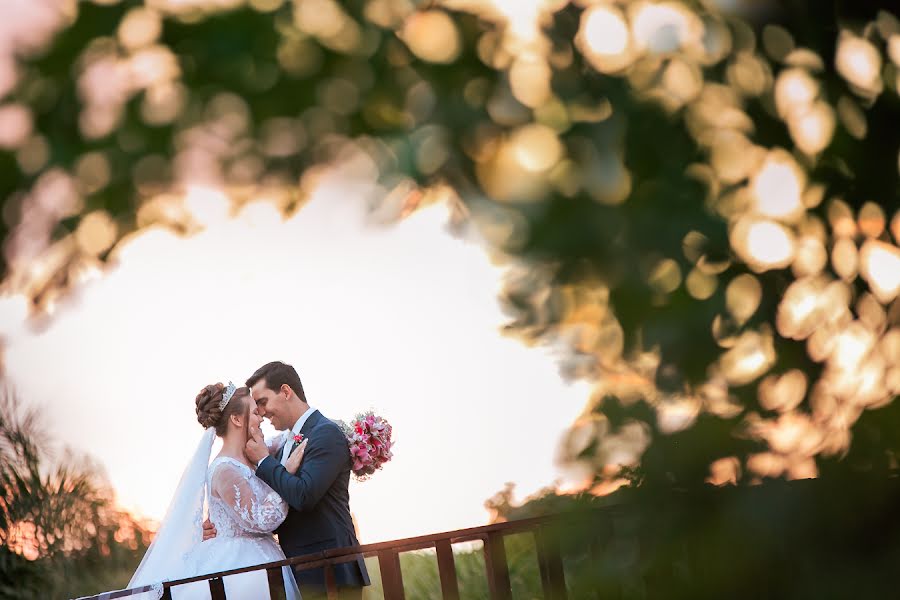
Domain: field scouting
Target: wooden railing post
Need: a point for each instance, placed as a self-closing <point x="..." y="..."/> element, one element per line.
<point x="391" y="576"/>
<point x="447" y="570"/>
<point x="497" y="569"/>
<point x="217" y="588"/>
<point x="276" y="583"/>
<point x="330" y="582"/>
<point x="596" y="554"/>
<point x="553" y="579"/>
<point x="167" y="594"/>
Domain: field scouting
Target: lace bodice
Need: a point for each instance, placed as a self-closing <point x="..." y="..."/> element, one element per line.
<point x="241" y="504"/>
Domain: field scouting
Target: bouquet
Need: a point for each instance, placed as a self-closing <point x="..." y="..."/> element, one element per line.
<point x="369" y="437"/>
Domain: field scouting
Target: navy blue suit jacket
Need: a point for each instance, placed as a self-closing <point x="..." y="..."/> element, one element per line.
<point x="319" y="514"/>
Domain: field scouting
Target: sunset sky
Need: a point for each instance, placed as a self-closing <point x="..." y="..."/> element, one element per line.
<point x="402" y="319"/>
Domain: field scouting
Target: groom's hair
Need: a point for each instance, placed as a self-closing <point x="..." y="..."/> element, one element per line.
<point x="277" y="374"/>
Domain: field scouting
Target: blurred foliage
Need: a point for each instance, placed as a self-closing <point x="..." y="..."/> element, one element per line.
<point x="698" y="201"/>
<point x="819" y="538"/>
<point x="60" y="534"/>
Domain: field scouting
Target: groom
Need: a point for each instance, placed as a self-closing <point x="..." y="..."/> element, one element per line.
<point x="319" y="516"/>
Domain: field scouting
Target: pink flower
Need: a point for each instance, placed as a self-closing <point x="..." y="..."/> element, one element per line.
<point x="360" y="452"/>
<point x="369" y="441"/>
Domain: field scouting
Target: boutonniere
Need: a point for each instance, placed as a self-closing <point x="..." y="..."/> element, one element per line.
<point x="298" y="439"/>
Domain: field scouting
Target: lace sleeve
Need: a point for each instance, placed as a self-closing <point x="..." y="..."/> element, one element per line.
<point x="253" y="504"/>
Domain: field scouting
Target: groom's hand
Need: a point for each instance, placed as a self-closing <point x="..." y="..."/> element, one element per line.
<point x="209" y="530"/>
<point x="255" y="450"/>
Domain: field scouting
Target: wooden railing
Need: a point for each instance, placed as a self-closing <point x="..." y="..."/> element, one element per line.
<point x="388" y="554"/>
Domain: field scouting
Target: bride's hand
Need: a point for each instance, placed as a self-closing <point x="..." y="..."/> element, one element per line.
<point x="209" y="530"/>
<point x="296" y="458"/>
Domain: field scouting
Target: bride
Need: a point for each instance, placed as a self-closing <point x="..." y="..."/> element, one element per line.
<point x="244" y="510"/>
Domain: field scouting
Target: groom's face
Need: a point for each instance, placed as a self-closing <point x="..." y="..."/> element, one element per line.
<point x="271" y="405"/>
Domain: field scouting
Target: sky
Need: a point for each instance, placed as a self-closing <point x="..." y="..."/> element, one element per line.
<point x="401" y="319"/>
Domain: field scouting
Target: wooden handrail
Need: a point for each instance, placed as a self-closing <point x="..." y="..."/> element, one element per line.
<point x="552" y="578"/>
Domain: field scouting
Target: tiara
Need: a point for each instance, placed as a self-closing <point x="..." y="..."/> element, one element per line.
<point x="230" y="389"/>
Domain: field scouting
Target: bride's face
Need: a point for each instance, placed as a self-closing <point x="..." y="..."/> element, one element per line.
<point x="255" y="419"/>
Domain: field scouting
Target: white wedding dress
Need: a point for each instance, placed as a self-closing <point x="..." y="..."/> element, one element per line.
<point x="245" y="511"/>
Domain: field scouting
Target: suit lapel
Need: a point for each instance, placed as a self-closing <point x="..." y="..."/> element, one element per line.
<point x="304" y="431"/>
<point x="310" y="423"/>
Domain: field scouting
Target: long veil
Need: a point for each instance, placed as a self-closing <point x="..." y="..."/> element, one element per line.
<point x="181" y="529"/>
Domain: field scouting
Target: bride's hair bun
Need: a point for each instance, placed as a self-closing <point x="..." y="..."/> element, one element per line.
<point x="208" y="412"/>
